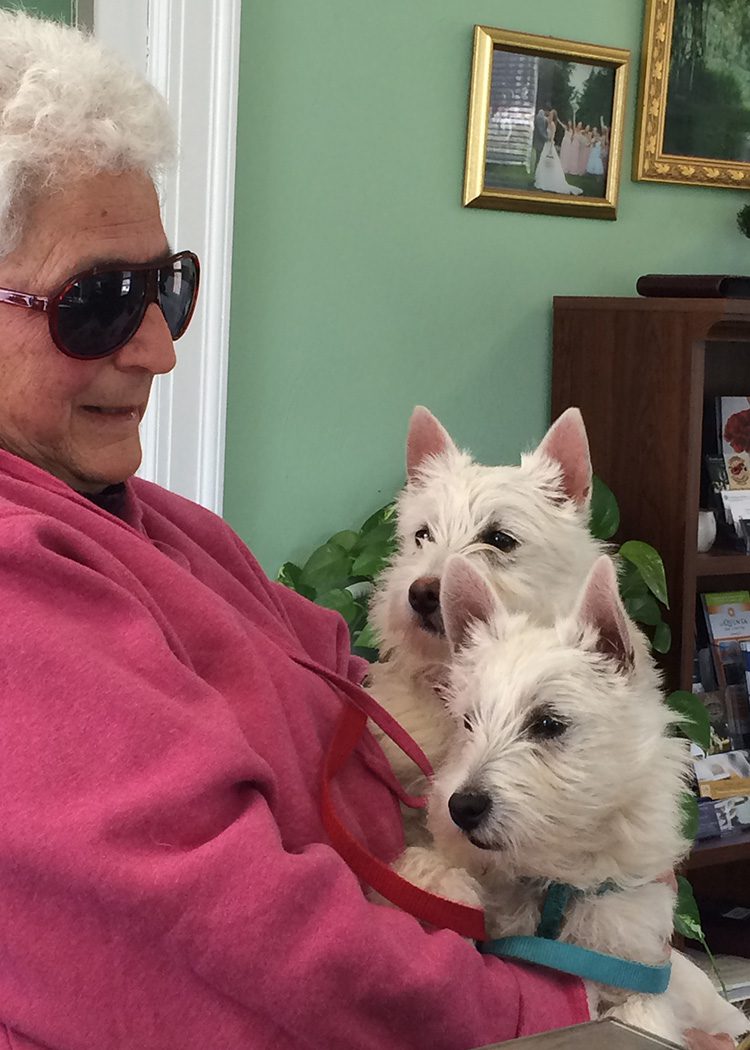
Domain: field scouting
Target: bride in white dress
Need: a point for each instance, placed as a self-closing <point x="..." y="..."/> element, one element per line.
<point x="549" y="174"/>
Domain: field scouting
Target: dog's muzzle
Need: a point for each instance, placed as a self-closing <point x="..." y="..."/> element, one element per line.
<point x="424" y="598"/>
<point x="469" y="808"/>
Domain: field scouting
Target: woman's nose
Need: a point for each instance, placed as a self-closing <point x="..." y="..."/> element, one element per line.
<point x="152" y="346"/>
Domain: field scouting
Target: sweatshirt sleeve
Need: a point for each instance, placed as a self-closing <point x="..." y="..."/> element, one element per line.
<point x="146" y="898"/>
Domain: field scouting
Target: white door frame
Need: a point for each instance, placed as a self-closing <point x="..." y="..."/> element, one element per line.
<point x="193" y="59"/>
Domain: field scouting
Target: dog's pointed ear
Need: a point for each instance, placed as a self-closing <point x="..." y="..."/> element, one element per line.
<point x="567" y="444"/>
<point x="601" y="607"/>
<point x="426" y="437"/>
<point x="465" y="598"/>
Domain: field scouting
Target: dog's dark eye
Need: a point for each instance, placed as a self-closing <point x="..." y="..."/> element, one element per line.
<point x="503" y="541"/>
<point x="468" y="724"/>
<point x="422" y="535"/>
<point x="545" y="726"/>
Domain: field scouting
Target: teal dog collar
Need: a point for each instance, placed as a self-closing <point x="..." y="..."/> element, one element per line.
<point x="582" y="962"/>
<point x="546" y="950"/>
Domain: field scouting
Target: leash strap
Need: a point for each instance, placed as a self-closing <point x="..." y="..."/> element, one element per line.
<point x="367" y="704"/>
<point x="556" y="901"/>
<point x="582" y="962"/>
<point x="427" y="907"/>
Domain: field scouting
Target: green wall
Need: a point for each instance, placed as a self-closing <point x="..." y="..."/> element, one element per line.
<point x="362" y="287"/>
<point x="60" y="9"/>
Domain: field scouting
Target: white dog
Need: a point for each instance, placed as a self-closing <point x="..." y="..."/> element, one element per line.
<point x="563" y="772"/>
<point x="524" y="527"/>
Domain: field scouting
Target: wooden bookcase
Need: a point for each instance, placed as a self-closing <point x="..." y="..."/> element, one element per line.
<point x="640" y="370"/>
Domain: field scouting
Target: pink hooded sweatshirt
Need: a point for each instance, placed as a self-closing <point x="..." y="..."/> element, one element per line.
<point x="165" y="880"/>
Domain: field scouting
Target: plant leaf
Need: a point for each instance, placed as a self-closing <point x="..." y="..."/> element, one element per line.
<point x="630" y="581"/>
<point x="385" y="515"/>
<point x="366" y="638"/>
<point x="643" y="609"/>
<point x="689" y="804"/>
<point x="380" y="536"/>
<point x="328" y="567"/>
<point x="662" y="638"/>
<point x="371" y="655"/>
<point x="342" y="602"/>
<point x="373" y="550"/>
<point x="370" y="563"/>
<point x="346" y="539"/>
<point x="648" y="562"/>
<point x="291" y="576"/>
<point x="641" y="605"/>
<point x="687" y="921"/>
<point x="604" y="520"/>
<point x="692" y="717"/>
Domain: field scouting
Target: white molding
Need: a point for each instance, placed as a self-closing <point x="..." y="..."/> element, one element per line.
<point x="194" y="61"/>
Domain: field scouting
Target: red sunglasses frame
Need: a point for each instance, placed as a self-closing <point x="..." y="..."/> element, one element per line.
<point x="49" y="304"/>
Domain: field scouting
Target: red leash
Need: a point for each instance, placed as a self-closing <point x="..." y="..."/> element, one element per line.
<point x="427" y="907"/>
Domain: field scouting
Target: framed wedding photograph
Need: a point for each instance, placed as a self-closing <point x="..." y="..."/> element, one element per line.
<point x="693" y="123"/>
<point x="545" y="125"/>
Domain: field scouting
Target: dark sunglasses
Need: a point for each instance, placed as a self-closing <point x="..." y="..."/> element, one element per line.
<point x="98" y="311"/>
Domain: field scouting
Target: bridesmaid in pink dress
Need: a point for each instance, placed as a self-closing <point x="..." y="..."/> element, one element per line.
<point x="575" y="153"/>
<point x="568" y="155"/>
<point x="605" y="145"/>
<point x="585" y="150"/>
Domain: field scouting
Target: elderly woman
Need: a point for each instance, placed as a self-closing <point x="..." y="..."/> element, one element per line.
<point x="165" y="877"/>
<point x="165" y="880"/>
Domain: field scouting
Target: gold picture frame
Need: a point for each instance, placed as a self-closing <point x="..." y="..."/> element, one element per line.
<point x="512" y="73"/>
<point x="657" y="156"/>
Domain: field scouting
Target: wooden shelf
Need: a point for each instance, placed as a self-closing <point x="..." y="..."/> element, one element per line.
<point x="727" y="312"/>
<point x="724" y="850"/>
<point x="722" y="563"/>
<point x="642" y="370"/>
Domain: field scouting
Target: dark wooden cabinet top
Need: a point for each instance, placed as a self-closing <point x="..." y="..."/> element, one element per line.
<point x="724" y="850"/>
<point x="719" y="307"/>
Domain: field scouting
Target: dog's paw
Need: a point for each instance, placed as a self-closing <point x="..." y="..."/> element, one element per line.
<point x="428" y="869"/>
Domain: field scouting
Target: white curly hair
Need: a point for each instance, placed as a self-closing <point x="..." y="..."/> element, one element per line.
<point x="68" y="107"/>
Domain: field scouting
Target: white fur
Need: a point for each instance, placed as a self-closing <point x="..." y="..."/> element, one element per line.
<point x="599" y="802"/>
<point x="68" y="106"/>
<point x="543" y="504"/>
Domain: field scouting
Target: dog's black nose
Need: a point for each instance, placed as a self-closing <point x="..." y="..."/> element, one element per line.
<point x="424" y="595"/>
<point x="469" y="808"/>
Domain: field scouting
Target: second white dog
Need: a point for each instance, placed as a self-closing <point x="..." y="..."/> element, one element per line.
<point x="563" y="774"/>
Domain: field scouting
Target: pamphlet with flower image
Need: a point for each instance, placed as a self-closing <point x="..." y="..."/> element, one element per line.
<point x="734" y="435"/>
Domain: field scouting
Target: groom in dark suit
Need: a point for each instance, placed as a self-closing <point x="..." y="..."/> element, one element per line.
<point x="540" y="131"/>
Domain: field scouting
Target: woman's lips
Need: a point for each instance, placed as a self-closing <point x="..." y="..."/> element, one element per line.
<point x="113" y="411"/>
